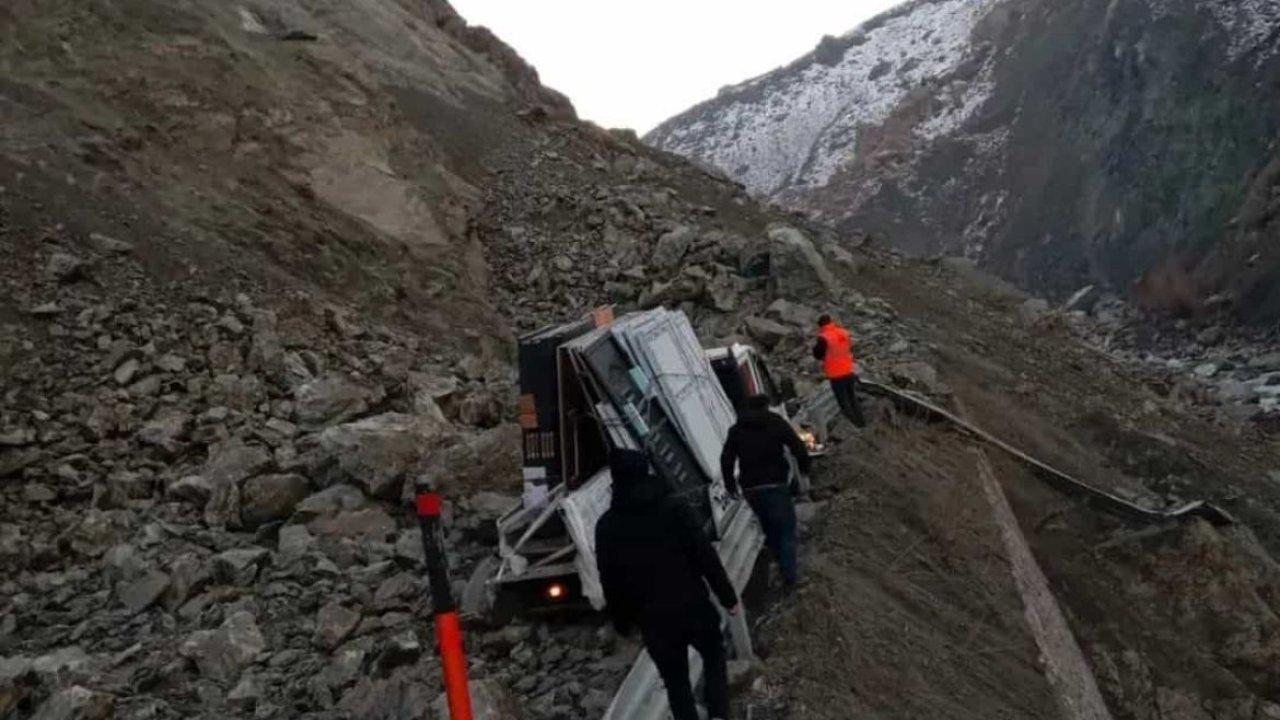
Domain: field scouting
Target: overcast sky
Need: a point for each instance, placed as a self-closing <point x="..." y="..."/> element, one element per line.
<point x="634" y="63"/>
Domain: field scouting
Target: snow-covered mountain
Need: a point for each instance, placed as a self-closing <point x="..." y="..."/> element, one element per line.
<point x="1060" y="142"/>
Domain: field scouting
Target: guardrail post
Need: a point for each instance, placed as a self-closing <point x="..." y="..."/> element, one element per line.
<point x="453" y="658"/>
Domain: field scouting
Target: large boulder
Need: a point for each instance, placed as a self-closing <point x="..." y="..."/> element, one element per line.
<point x="238" y="392"/>
<point x="482" y="407"/>
<point x="230" y="463"/>
<point x="96" y="532"/>
<point x="491" y="505"/>
<point x="919" y="375"/>
<point x="239" y="566"/>
<point x="375" y="452"/>
<point x="792" y="313"/>
<point x="77" y="703"/>
<point x="166" y="431"/>
<point x="986" y="283"/>
<point x="195" y="489"/>
<point x="671" y="248"/>
<point x="683" y="287"/>
<point x="331" y="399"/>
<point x="268" y="498"/>
<point x="223" y="653"/>
<point x="61" y="663"/>
<point x="123" y="562"/>
<point x="767" y="332"/>
<point x="266" y="351"/>
<point x="1234" y="391"/>
<point x="331" y="501"/>
<point x="406" y="695"/>
<point x="432" y="393"/>
<point x="796" y="268"/>
<point x="334" y="623"/>
<point x="367" y="524"/>
<point x="65" y="267"/>
<point x="294" y="541"/>
<point x="1033" y="310"/>
<point x="489" y="701"/>
<point x="490" y="460"/>
<point x="722" y="292"/>
<point x="140" y="594"/>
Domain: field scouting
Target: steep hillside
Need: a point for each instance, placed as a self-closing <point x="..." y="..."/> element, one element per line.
<point x="264" y="264"/>
<point x="263" y="144"/>
<point x="263" y="267"/>
<point x="1059" y="143"/>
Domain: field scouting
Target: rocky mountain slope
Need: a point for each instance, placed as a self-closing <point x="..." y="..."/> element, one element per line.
<point x="264" y="266"/>
<point x="1058" y="143"/>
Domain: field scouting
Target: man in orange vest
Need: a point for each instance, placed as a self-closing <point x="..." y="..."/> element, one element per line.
<point x="835" y="350"/>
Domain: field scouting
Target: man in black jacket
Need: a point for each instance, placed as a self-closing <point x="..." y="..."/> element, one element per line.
<point x="757" y="444"/>
<point x="653" y="561"/>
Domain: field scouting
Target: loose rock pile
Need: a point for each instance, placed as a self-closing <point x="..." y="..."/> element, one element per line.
<point x="202" y="498"/>
<point x="596" y="220"/>
<point x="1207" y="361"/>
<point x="205" y="488"/>
<point x="205" y="496"/>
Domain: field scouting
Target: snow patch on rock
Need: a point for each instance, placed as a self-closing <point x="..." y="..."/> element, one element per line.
<point x="967" y="101"/>
<point x="796" y="127"/>
<point x="1248" y="23"/>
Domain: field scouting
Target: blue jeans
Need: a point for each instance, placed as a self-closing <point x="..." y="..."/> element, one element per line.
<point x="777" y="515"/>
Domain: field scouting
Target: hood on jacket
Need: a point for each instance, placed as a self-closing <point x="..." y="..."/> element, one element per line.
<point x="754" y="418"/>
<point x="634" y="486"/>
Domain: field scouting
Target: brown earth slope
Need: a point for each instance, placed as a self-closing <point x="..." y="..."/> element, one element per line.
<point x="1176" y="621"/>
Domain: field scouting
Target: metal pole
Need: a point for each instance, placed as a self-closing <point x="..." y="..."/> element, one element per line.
<point x="453" y="658"/>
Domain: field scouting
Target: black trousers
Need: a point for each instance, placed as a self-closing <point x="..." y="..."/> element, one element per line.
<point x="845" y="390"/>
<point x="777" y="514"/>
<point x="668" y="641"/>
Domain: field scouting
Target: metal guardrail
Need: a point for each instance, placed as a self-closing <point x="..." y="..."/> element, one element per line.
<point x="642" y="695"/>
<point x="1058" y="479"/>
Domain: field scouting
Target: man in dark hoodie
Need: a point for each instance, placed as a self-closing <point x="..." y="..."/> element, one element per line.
<point x="757" y="444"/>
<point x="655" y="565"/>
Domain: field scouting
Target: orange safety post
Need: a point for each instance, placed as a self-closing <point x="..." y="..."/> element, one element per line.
<point x="453" y="657"/>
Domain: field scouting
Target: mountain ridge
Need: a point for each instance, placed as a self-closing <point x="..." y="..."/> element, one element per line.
<point x="1060" y="144"/>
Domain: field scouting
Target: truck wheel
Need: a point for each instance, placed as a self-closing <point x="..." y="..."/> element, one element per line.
<point x="477" y="598"/>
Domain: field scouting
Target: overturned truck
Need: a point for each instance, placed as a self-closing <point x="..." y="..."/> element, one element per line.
<point x="640" y="381"/>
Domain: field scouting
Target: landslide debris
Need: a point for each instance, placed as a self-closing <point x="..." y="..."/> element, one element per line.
<point x="264" y="268"/>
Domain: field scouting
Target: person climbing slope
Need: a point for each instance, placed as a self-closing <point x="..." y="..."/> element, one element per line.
<point x="757" y="446"/>
<point x="835" y="349"/>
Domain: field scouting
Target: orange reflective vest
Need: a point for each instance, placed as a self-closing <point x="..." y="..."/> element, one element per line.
<point x="838" y="362"/>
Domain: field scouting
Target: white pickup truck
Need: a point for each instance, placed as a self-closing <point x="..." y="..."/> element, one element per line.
<point x="641" y="381"/>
